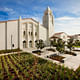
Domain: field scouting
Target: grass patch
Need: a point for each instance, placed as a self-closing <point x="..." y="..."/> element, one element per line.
<point x="77" y="46"/>
<point x="9" y="51"/>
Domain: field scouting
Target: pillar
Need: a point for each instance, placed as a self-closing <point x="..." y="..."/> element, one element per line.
<point x="27" y="35"/>
<point x="33" y="35"/>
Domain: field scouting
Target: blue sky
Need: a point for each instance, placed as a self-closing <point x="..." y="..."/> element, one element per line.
<point x="66" y="12"/>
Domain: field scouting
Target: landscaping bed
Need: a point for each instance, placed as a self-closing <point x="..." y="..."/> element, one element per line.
<point x="29" y="67"/>
<point x="71" y="53"/>
<point x="9" y="51"/>
<point x="77" y="50"/>
<point x="56" y="57"/>
<point x="37" y="52"/>
<point x="51" y="49"/>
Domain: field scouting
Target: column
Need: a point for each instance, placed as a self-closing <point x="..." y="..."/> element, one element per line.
<point x="27" y="35"/>
<point x="20" y="43"/>
<point x="38" y="32"/>
<point x="33" y="36"/>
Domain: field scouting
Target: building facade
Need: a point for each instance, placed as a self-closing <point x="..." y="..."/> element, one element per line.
<point x="60" y="35"/>
<point x="23" y="33"/>
<point x="76" y="37"/>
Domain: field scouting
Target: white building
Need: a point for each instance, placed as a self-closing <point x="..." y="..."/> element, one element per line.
<point x="24" y="32"/>
<point x="76" y="37"/>
<point x="61" y="35"/>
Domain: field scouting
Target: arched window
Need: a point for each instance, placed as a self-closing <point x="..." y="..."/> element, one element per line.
<point x="35" y="43"/>
<point x="24" y="44"/>
<point x="30" y="43"/>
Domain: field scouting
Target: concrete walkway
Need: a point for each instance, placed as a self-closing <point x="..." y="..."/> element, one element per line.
<point x="72" y="62"/>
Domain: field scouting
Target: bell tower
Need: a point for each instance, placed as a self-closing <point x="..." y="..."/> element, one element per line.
<point x="48" y="22"/>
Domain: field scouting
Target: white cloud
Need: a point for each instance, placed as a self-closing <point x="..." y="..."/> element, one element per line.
<point x="36" y="16"/>
<point x="67" y="6"/>
<point x="8" y="10"/>
<point x="69" y="25"/>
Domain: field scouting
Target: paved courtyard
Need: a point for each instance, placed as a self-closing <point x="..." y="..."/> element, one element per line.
<point x="72" y="62"/>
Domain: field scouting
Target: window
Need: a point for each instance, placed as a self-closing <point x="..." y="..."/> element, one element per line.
<point x="24" y="44"/>
<point x="30" y="43"/>
<point x="35" y="43"/>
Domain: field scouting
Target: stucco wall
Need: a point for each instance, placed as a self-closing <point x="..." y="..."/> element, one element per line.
<point x="12" y="29"/>
<point x="2" y="36"/>
<point x="42" y="33"/>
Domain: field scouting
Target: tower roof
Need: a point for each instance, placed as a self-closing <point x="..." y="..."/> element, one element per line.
<point x="48" y="10"/>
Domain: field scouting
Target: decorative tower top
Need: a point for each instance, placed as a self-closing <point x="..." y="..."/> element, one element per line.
<point x="48" y="11"/>
<point x="48" y="22"/>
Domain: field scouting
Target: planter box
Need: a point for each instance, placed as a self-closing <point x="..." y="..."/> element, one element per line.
<point x="62" y="61"/>
<point x="36" y="51"/>
<point x="74" y="54"/>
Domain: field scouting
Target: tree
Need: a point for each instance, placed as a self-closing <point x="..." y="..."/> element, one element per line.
<point x="60" y="45"/>
<point x="77" y="43"/>
<point x="54" y="43"/>
<point x="39" y="44"/>
<point x="70" y="44"/>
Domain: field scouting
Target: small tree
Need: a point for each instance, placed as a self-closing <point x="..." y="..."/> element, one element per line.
<point x="39" y="44"/>
<point x="70" y="44"/>
<point x="60" y="46"/>
<point x="54" y="43"/>
<point x="77" y="43"/>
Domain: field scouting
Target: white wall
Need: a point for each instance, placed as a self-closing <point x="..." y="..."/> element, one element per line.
<point x="12" y="29"/>
<point x="2" y="36"/>
<point x="42" y="33"/>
